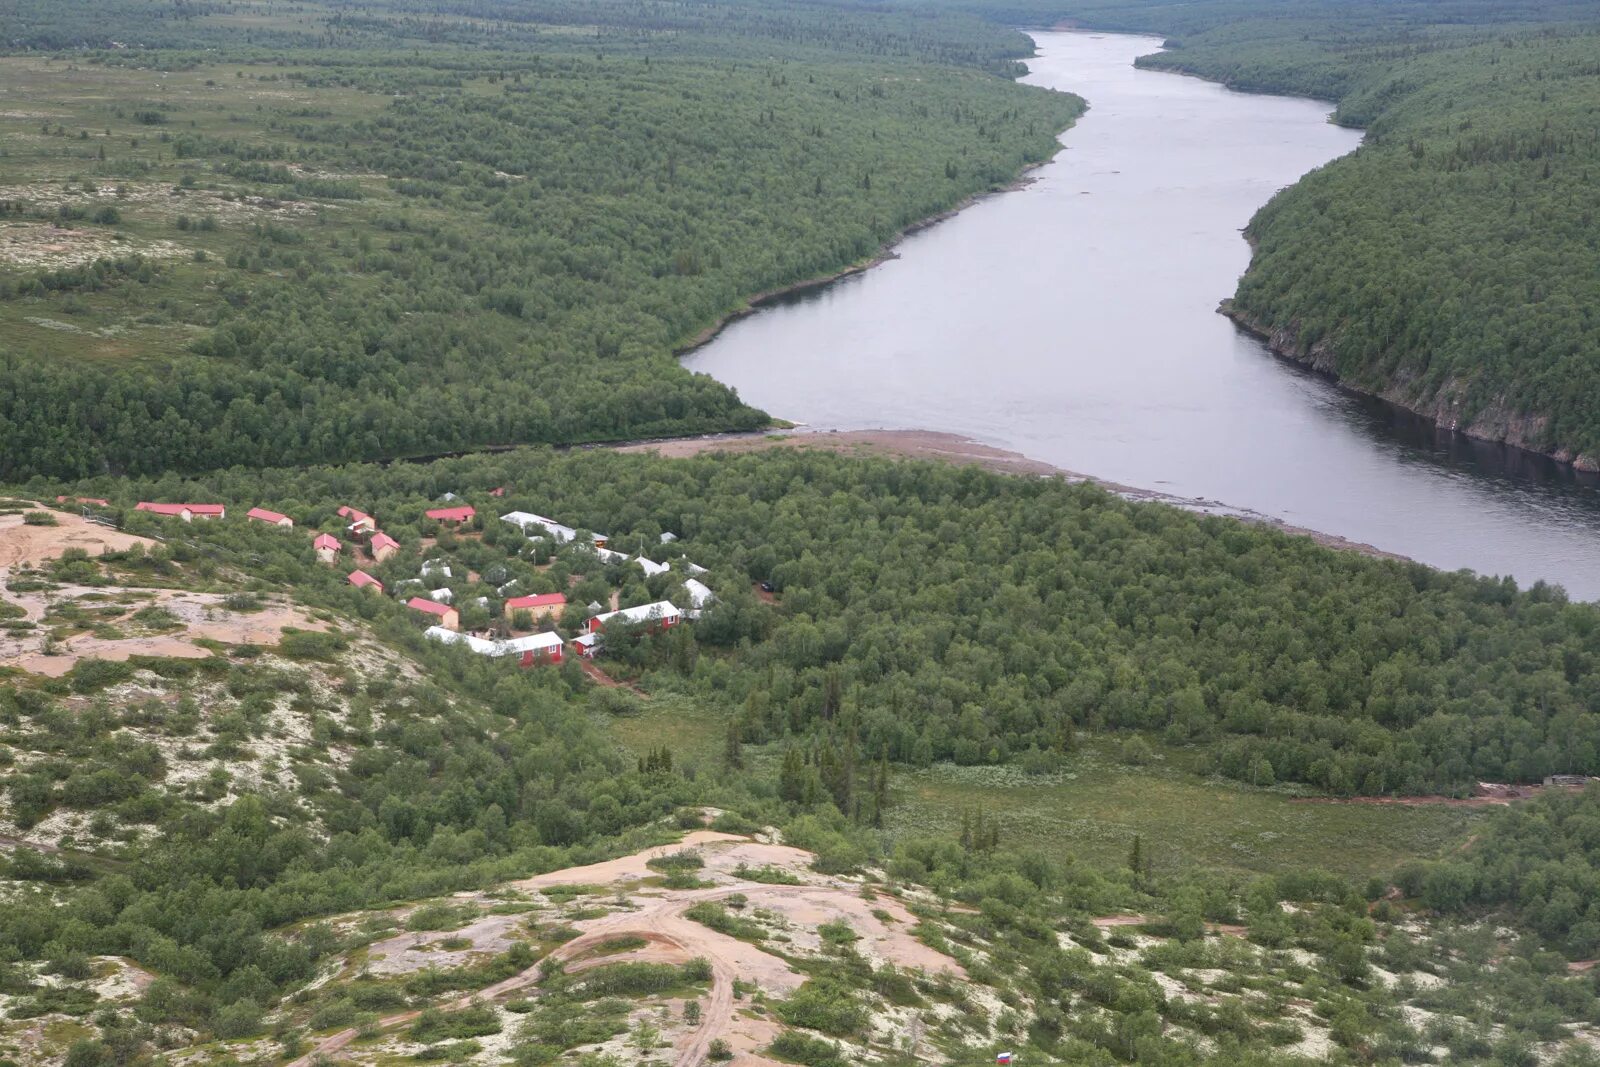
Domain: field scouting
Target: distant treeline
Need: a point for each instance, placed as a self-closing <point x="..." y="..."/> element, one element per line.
<point x="1453" y="262"/>
<point x="499" y="240"/>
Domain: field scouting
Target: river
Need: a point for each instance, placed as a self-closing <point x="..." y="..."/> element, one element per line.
<point x="1075" y="321"/>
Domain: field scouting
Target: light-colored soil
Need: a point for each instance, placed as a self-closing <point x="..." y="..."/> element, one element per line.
<point x="411" y="951"/>
<point x="42" y="245"/>
<point x="21" y="544"/>
<point x="635" y="866"/>
<point x="202" y="615"/>
<point x="658" y="916"/>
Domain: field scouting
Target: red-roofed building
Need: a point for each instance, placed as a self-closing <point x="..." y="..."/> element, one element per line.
<point x="441" y="614"/>
<point x="358" y="522"/>
<point x="382" y="546"/>
<point x="363" y="580"/>
<point x="327" y="547"/>
<point x="456" y="515"/>
<point x="272" y="518"/>
<point x="186" y="512"/>
<point x="540" y="605"/>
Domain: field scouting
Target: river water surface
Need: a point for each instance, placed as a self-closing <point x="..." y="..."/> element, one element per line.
<point x="1075" y="321"/>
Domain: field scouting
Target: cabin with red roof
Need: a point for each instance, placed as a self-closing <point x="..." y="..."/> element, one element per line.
<point x="541" y="605"/>
<point x="327" y="547"/>
<point x="271" y="518"/>
<point x="382" y="546"/>
<point x="363" y="580"/>
<point x="186" y="512"/>
<point x="358" y="522"/>
<point x="455" y="515"/>
<point x="439" y="614"/>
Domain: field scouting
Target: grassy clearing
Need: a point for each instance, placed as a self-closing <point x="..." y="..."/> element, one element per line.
<point x="693" y="732"/>
<point x="1093" y="809"/>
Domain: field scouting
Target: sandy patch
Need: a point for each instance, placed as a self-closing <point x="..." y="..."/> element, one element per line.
<point x="34" y="544"/>
<point x="623" y="868"/>
<point x="201" y="615"/>
<point x="658" y="917"/>
<point x="42" y="245"/>
<point x="411" y="951"/>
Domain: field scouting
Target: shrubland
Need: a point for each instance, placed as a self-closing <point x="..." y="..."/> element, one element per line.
<point x="243" y="828"/>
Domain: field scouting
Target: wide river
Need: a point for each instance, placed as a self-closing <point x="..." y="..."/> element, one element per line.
<point x="1075" y="321"/>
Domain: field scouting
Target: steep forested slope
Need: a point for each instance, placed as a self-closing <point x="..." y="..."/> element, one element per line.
<point x="342" y="233"/>
<point x="1450" y="264"/>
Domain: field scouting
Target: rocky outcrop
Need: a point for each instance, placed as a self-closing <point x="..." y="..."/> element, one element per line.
<point x="1446" y="406"/>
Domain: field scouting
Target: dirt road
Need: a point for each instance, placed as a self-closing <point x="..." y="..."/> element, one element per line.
<point x="883" y="925"/>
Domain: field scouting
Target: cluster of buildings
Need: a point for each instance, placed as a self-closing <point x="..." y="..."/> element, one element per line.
<point x="438" y="606"/>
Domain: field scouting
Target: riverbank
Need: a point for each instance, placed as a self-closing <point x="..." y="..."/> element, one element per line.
<point x="771" y="296"/>
<point x="1495" y="425"/>
<point x="963" y="451"/>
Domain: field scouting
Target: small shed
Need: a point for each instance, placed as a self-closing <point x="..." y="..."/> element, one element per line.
<point x="356" y="521"/>
<point x="534" y="648"/>
<point x="540" y="605"/>
<point x="382" y="546"/>
<point x="587" y="645"/>
<point x="651" y="568"/>
<point x="456" y="516"/>
<point x="186" y="512"/>
<point x="700" y="597"/>
<point x="658" y="616"/>
<point x="327" y="547"/>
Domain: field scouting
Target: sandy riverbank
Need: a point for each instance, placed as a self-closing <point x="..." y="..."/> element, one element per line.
<point x="953" y="448"/>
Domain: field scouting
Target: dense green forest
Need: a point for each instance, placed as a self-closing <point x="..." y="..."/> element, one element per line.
<point x="932" y="613"/>
<point x="393" y="231"/>
<point x="919" y="612"/>
<point x="1450" y="263"/>
<point x="1542" y="861"/>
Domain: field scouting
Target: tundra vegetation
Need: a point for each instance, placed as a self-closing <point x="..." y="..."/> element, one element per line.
<point x="955" y="763"/>
<point x="306" y="236"/>
<point x="248" y="836"/>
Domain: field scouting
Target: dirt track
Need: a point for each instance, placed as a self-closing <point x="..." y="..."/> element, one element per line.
<point x="657" y="915"/>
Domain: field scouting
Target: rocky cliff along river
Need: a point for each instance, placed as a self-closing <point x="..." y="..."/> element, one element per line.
<point x="1075" y="321"/>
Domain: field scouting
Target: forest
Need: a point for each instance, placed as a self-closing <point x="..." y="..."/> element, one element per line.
<point x="1449" y="264"/>
<point x="932" y="613"/>
<point x="288" y="250"/>
<point x="911" y="619"/>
